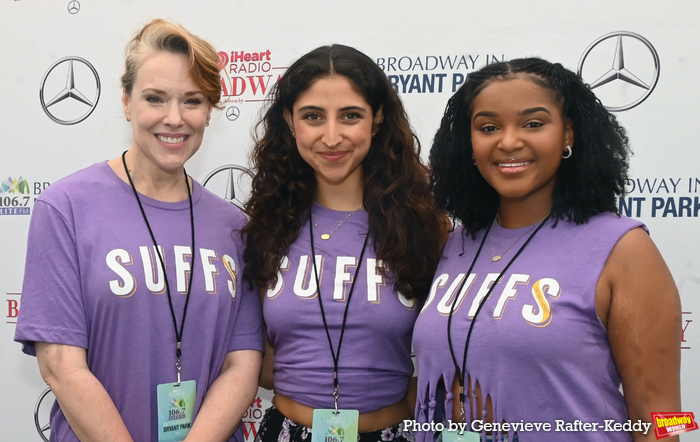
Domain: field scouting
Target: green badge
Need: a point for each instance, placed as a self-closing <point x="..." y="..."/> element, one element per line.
<point x="175" y="410"/>
<point x="331" y="427"/>
<point x="455" y="436"/>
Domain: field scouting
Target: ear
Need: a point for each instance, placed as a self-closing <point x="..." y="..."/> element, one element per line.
<point x="377" y="120"/>
<point x="569" y="133"/>
<point x="288" y="118"/>
<point x="209" y="113"/>
<point x="126" y="103"/>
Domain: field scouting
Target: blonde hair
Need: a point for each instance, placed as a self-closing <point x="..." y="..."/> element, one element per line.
<point x="160" y="35"/>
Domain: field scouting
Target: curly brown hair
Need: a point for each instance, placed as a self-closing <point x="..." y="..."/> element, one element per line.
<point x="406" y="229"/>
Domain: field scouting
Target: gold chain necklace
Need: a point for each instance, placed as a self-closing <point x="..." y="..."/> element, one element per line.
<point x="496" y="258"/>
<point x="325" y="236"/>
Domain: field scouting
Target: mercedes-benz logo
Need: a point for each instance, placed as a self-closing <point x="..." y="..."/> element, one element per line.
<point x="231" y="182"/>
<point x="59" y="83"/>
<point x="41" y="413"/>
<point x="232" y="113"/>
<point x="632" y="76"/>
<point x="73" y="7"/>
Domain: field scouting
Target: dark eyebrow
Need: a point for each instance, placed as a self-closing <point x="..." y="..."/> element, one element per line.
<point x="484" y="114"/>
<point x="310" y="107"/>
<point x="354" y="108"/>
<point x="345" y="109"/>
<point x="532" y="110"/>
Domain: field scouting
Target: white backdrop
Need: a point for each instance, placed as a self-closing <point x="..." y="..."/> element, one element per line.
<point x="426" y="48"/>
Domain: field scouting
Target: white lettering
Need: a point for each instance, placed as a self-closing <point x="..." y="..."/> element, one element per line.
<point x="543" y="315"/>
<point x="509" y="292"/>
<point x="232" y="270"/>
<point x="445" y="305"/>
<point x="439" y="283"/>
<point x="375" y="280"/>
<point x="342" y="276"/>
<point x="152" y="269"/>
<point x="277" y="289"/>
<point x="127" y="287"/>
<point x="490" y="279"/>
<point x="306" y="277"/>
<point x="182" y="267"/>
<point x="210" y="270"/>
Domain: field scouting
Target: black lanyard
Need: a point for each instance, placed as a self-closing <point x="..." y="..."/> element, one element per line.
<point x="336" y="355"/>
<point x="462" y="372"/>
<point x="178" y="334"/>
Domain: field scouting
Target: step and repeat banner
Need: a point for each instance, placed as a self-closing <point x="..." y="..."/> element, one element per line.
<point x="61" y="63"/>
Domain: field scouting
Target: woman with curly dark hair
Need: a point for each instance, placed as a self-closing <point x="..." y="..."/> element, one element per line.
<point x="572" y="299"/>
<point x="338" y="178"/>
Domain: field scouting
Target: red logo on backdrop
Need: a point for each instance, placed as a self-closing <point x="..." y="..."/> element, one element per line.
<point x="251" y="419"/>
<point x="12" y="307"/>
<point x="670" y="424"/>
<point x="247" y="76"/>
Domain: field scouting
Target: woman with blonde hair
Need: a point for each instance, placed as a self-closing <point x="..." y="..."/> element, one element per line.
<point x="131" y="301"/>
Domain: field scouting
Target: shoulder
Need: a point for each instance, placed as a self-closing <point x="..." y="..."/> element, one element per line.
<point x="615" y="221"/>
<point x="457" y="240"/>
<point x="82" y="185"/>
<point x="604" y="227"/>
<point x="217" y="206"/>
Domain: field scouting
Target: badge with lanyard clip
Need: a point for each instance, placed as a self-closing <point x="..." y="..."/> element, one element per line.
<point x="335" y="425"/>
<point x="175" y="401"/>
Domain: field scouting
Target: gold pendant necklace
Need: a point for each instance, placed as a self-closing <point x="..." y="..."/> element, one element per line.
<point x="326" y="236"/>
<point x="496" y="258"/>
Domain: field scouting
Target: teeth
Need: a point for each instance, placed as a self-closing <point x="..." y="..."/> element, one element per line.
<point x="525" y="163"/>
<point x="171" y="140"/>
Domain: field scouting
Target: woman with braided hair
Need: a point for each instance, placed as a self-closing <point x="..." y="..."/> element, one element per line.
<point x="546" y="301"/>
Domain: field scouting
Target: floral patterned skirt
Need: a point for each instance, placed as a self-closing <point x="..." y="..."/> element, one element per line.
<point x="275" y="427"/>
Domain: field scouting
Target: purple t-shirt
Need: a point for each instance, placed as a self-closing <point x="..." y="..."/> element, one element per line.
<point x="538" y="347"/>
<point x="375" y="358"/>
<point x="93" y="280"/>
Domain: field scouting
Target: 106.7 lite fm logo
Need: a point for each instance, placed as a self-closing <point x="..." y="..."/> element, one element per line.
<point x="17" y="195"/>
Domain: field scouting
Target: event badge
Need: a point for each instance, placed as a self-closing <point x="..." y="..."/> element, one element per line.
<point x="456" y="436"/>
<point x="176" y="410"/>
<point x="335" y="426"/>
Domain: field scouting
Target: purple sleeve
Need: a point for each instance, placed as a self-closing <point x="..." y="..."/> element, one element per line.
<point x="248" y="329"/>
<point x="51" y="308"/>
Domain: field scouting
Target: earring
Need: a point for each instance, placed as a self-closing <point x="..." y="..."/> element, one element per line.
<point x="473" y="159"/>
<point x="373" y="134"/>
<point x="128" y="119"/>
<point x="569" y="152"/>
<point x="294" y="135"/>
<point x="206" y="125"/>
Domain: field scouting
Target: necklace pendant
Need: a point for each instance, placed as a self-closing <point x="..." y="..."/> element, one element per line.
<point x="325" y="236"/>
<point x="496" y="258"/>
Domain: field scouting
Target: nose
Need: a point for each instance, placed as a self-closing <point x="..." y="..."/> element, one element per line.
<point x="173" y="115"/>
<point x="510" y="140"/>
<point x="332" y="135"/>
